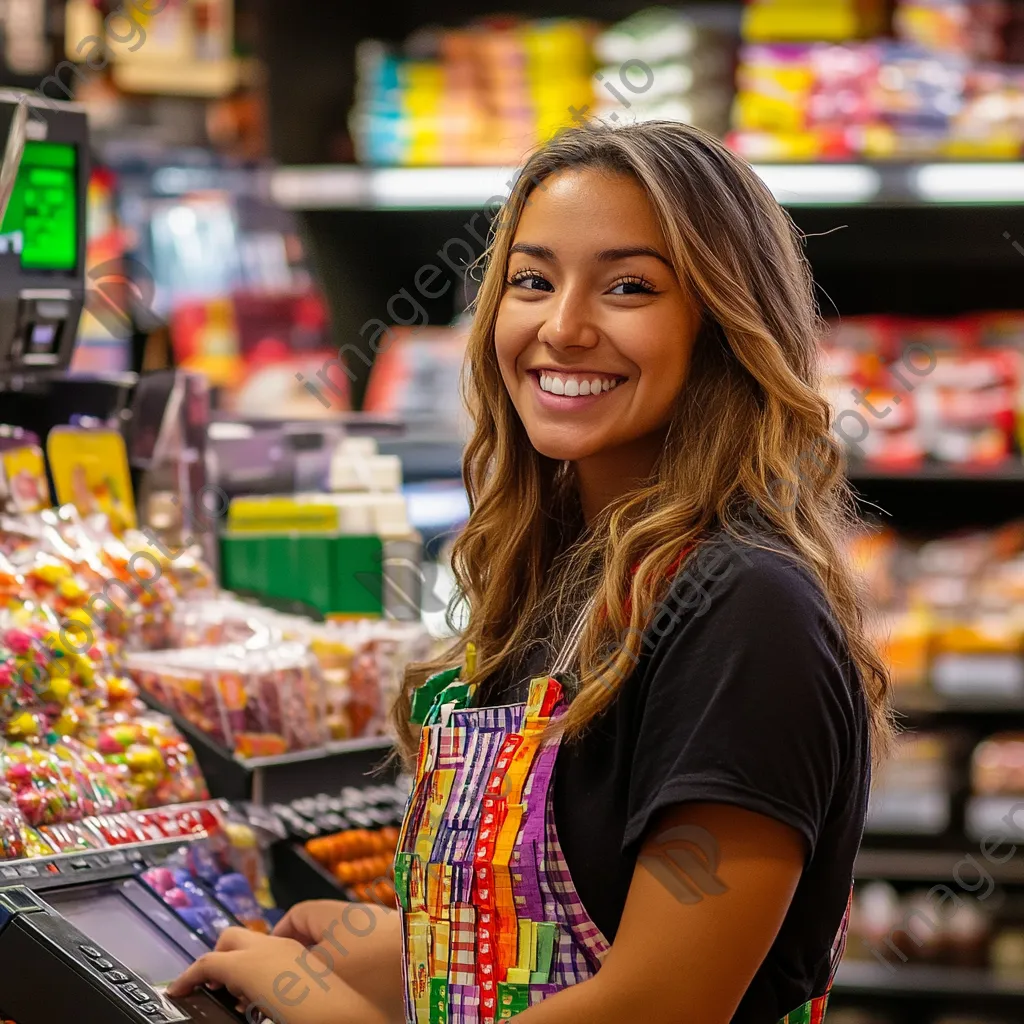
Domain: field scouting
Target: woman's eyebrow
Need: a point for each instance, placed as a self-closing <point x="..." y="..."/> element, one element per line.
<point x="542" y="252"/>
<point x="624" y="252"/>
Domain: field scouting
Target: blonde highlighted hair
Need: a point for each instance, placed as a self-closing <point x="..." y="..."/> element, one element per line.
<point x="525" y="560"/>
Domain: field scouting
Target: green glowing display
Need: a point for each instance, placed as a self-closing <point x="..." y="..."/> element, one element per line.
<point x="42" y="217"/>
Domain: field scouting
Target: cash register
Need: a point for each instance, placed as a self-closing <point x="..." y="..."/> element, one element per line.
<point x="84" y="939"/>
<point x="44" y="176"/>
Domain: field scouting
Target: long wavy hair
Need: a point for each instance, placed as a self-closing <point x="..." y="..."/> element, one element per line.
<point x="749" y="440"/>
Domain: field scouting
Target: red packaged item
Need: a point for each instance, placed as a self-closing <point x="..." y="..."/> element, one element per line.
<point x="118" y="829"/>
<point x="967" y="406"/>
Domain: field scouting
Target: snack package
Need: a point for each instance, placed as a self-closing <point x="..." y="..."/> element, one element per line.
<point x="101" y="785"/>
<point x="23" y="483"/>
<point x="997" y="765"/>
<point x="90" y="471"/>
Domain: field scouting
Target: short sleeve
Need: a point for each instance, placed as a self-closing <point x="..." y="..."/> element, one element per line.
<point x="751" y="699"/>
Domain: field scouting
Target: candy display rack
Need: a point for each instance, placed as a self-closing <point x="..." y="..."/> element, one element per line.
<point x="284" y="777"/>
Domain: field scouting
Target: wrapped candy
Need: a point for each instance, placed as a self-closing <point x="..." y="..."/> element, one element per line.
<point x="12" y="585"/>
<point x="255" y="702"/>
<point x="182" y="892"/>
<point x="100" y="783"/>
<point x="40" y="788"/>
<point x="158" y="766"/>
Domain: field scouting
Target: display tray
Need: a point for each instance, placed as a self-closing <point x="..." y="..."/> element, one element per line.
<point x="285" y="777"/>
<point x="75" y="866"/>
<point x="295" y="876"/>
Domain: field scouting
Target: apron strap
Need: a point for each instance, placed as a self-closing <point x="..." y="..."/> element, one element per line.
<point x="567" y="655"/>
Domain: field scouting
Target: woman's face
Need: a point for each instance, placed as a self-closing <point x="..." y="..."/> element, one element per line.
<point x="594" y="331"/>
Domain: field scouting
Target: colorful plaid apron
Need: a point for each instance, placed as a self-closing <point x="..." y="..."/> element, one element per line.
<point x="492" y="922"/>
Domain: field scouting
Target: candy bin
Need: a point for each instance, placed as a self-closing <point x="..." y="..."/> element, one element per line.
<point x="12" y="826"/>
<point x="39" y="786"/>
<point x="157" y="763"/>
<point x="100" y="784"/>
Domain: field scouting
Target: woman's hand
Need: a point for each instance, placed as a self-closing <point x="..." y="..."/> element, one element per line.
<point x="361" y="943"/>
<point x="279" y="977"/>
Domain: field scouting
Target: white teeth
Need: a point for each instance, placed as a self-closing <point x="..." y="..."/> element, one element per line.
<point x="573" y="387"/>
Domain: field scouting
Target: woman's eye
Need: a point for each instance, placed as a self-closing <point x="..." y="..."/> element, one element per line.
<point x="633" y="286"/>
<point x="529" y="281"/>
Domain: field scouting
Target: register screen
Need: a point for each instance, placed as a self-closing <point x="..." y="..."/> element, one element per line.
<point x="116" y="926"/>
<point x="41" y="222"/>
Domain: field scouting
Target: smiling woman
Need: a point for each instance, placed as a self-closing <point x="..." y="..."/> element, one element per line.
<point x="610" y="812"/>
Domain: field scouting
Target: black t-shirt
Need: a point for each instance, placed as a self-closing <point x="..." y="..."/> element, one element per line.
<point x="744" y="694"/>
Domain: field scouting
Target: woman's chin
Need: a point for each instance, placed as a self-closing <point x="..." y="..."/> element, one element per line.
<point x="562" y="449"/>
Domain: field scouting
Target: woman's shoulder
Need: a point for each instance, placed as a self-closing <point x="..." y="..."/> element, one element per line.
<point x="746" y="607"/>
<point x="735" y="573"/>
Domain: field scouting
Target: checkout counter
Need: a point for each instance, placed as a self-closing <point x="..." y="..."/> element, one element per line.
<point x="84" y="938"/>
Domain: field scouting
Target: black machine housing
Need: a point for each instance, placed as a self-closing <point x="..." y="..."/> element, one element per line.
<point x="40" y="308"/>
<point x="83" y="939"/>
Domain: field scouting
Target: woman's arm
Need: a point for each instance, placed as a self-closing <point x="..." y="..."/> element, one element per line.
<point x="681" y="954"/>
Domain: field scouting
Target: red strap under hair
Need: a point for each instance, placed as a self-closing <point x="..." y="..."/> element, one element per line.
<point x="669" y="573"/>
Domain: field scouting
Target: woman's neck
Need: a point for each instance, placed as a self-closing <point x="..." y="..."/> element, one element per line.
<point x="603" y="478"/>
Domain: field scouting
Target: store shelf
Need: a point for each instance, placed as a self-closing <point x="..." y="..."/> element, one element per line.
<point x="896" y="812"/>
<point x="455" y="188"/>
<point x="285" y="777"/>
<point x="927" y="702"/>
<point x="1011" y="471"/>
<point x="935" y="866"/>
<point x="989" y="816"/>
<point x="917" y="980"/>
<point x="440" y="456"/>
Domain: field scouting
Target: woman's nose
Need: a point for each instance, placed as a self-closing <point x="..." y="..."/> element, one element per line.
<point x="568" y="323"/>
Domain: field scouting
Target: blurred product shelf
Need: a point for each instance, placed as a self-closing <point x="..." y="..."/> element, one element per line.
<point x="1011" y="471"/>
<point x="437" y="456"/>
<point x="912" y="980"/>
<point x="930" y="866"/>
<point x="447" y="188"/>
